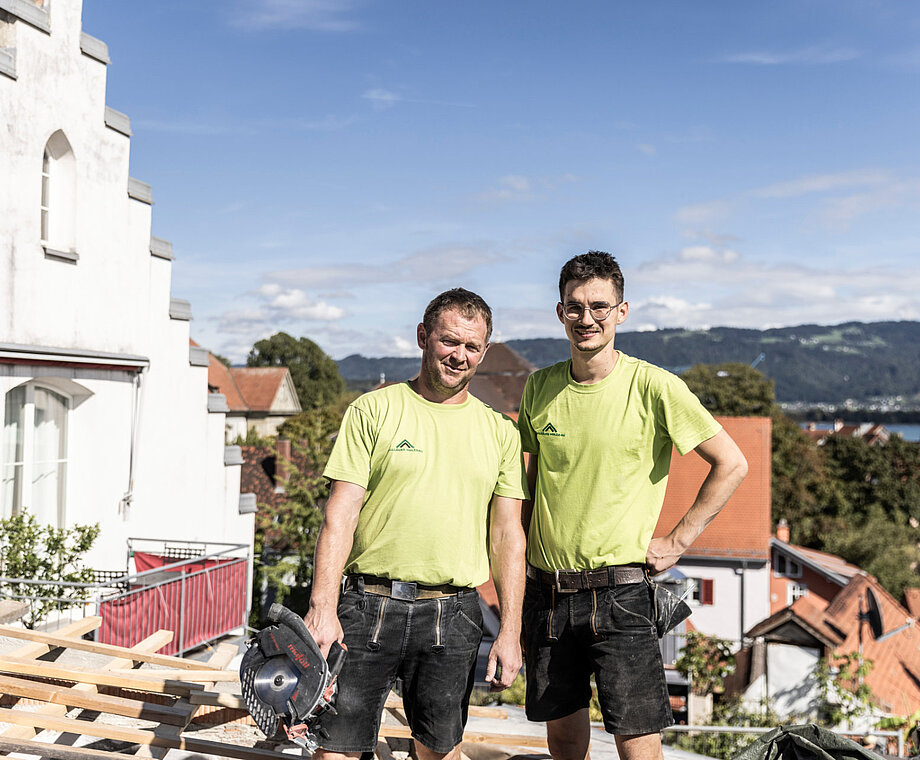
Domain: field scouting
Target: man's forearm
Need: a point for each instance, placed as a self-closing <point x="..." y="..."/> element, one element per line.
<point x="332" y="549"/>
<point x="715" y="491"/>
<point x="508" y="572"/>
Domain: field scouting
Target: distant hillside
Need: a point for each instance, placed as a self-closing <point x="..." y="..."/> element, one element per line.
<point x="810" y="364"/>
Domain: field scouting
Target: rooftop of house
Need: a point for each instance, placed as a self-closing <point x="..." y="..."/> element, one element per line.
<point x="253" y="389"/>
<point x="912" y="601"/>
<point x="742" y="528"/>
<point x="895" y="674"/>
<point x="831" y="566"/>
<point x="872" y="432"/>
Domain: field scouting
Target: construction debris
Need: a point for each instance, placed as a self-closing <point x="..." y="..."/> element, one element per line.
<point x="60" y="692"/>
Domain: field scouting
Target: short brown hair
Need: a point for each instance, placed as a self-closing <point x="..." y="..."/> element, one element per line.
<point x="591" y="265"/>
<point x="464" y="301"/>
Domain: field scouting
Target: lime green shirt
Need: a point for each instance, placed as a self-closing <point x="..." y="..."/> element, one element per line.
<point x="603" y="454"/>
<point x="430" y="471"/>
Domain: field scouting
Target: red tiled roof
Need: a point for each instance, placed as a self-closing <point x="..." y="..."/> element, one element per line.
<point x="501" y="359"/>
<point x="259" y="385"/>
<point x="830" y="563"/>
<point x="501" y="392"/>
<point x="912" y="601"/>
<point x="221" y="378"/>
<point x="895" y="675"/>
<point x="742" y="528"/>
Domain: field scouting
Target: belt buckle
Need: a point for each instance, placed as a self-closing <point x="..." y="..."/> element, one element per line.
<point x="559" y="588"/>
<point x="403" y="590"/>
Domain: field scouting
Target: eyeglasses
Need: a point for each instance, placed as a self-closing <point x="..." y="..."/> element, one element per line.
<point x="599" y="313"/>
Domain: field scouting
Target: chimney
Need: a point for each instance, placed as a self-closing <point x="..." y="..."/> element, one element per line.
<point x="782" y="531"/>
<point x="283" y="447"/>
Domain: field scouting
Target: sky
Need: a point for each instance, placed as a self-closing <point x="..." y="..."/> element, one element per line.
<point x="326" y="167"/>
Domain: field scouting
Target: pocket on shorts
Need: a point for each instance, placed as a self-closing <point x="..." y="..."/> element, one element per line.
<point x="468" y="613"/>
<point x="629" y="609"/>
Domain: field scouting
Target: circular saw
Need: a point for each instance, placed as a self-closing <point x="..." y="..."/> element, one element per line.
<point x="288" y="686"/>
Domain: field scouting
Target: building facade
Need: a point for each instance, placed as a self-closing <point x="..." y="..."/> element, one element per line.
<point x="107" y="415"/>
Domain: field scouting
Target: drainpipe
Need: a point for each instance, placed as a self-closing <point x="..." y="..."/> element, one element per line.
<point x="125" y="504"/>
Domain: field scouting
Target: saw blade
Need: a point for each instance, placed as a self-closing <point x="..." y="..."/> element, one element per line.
<point x="276" y="682"/>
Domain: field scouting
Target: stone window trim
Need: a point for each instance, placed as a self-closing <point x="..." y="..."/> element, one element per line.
<point x="26" y="10"/>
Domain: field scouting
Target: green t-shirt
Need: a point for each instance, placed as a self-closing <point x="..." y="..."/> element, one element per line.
<point x="604" y="451"/>
<point x="430" y="471"/>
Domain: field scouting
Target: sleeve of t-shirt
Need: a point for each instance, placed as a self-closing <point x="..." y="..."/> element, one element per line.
<point x="529" y="442"/>
<point x="686" y="420"/>
<point x="350" y="459"/>
<point x="512" y="479"/>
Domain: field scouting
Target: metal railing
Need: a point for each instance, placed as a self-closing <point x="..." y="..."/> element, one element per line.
<point x="200" y="597"/>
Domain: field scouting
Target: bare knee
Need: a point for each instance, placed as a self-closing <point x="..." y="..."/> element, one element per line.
<point x="568" y="738"/>
<point x="423" y="753"/>
<point x="323" y="754"/>
<point x="639" y="746"/>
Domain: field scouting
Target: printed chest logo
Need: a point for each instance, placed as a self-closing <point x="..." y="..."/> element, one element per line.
<point x="550" y="429"/>
<point x="405" y="445"/>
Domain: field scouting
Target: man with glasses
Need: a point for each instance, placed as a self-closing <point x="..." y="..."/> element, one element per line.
<point x="600" y="428"/>
<point x="427" y="483"/>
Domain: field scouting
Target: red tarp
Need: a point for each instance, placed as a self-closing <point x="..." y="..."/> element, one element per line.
<point x="213" y="601"/>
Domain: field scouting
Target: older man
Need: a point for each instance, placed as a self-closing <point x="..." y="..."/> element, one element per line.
<point x="427" y="481"/>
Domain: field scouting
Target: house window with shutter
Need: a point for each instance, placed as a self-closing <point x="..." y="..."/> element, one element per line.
<point x="703" y="591"/>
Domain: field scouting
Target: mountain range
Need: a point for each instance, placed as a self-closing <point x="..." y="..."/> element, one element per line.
<point x="874" y="364"/>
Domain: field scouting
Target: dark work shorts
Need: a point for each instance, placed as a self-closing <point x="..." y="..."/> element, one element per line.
<point x="430" y="644"/>
<point x="606" y="632"/>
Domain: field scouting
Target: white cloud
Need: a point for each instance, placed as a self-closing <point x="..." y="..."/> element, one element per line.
<point x="432" y="265"/>
<point x="647" y="149"/>
<point x="821" y="183"/>
<point x="294" y="304"/>
<point x="809" y="56"/>
<point x="315" y="15"/>
<point x="517" y="187"/>
<point x="381" y="98"/>
<point x="707" y="253"/>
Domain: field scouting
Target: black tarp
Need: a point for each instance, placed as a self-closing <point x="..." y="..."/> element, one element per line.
<point x="806" y="742"/>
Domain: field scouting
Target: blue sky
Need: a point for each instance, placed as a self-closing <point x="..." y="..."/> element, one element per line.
<point x="324" y="167"/>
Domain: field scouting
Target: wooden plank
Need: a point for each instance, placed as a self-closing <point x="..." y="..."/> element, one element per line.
<point x="76" y="628"/>
<point x="145" y="737"/>
<point x="109" y="649"/>
<point x="58" y="751"/>
<point x="60" y="695"/>
<point x="29" y="652"/>
<point x="220" y="658"/>
<point x="478" y="711"/>
<point x="11" y="610"/>
<point x="217" y="699"/>
<point x="505" y="740"/>
<point x="153" y="643"/>
<point x="136" y="679"/>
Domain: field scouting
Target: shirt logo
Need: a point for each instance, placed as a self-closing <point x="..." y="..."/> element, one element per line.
<point x="405" y="445"/>
<point x="550" y="429"/>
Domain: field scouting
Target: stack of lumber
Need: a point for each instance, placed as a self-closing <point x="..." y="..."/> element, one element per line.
<point x="133" y="702"/>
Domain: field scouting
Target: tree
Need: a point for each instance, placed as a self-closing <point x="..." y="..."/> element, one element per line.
<point x="706" y="661"/>
<point x="31" y="550"/>
<point x="285" y="536"/>
<point x="316" y="377"/>
<point x="733" y="389"/>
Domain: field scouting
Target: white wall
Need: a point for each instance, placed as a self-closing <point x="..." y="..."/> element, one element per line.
<point x="114" y="299"/>
<point x="723" y="617"/>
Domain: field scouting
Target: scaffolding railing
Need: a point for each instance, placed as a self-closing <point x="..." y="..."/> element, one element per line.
<point x="199" y="590"/>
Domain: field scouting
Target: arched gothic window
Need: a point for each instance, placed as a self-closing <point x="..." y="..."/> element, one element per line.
<point x="58" y="196"/>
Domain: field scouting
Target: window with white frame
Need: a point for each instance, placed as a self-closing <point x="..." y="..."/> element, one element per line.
<point x="34" y="451"/>
<point x="785" y="567"/>
<point x="795" y="591"/>
<point x="703" y="591"/>
<point x="58" y="195"/>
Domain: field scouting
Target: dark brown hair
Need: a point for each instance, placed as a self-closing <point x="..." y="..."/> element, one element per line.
<point x="461" y="300"/>
<point x="591" y="265"/>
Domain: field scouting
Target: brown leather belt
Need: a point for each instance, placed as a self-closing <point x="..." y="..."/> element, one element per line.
<point x="402" y="590"/>
<point x="567" y="581"/>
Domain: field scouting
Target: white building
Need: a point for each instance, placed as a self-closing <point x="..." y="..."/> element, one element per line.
<point x="106" y="412"/>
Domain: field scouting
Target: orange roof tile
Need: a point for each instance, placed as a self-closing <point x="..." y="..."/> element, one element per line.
<point x="742" y="528"/>
<point x="829" y="563"/>
<point x="912" y="601"/>
<point x="501" y="359"/>
<point x="220" y="377"/>
<point x="259" y="385"/>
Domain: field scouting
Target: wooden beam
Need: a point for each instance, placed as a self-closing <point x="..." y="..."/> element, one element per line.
<point x="109" y="649"/>
<point x="58" y="751"/>
<point x="217" y="699"/>
<point x="145" y="737"/>
<point x="505" y="740"/>
<point x="60" y="695"/>
<point x="135" y="679"/>
<point x="478" y="711"/>
<point x="11" y="610"/>
<point x="76" y="628"/>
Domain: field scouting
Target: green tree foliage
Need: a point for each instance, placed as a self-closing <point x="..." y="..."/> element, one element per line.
<point x="316" y="376"/>
<point x="726" y="746"/>
<point x="846" y="497"/>
<point x="285" y="537"/>
<point x="845" y="696"/>
<point x="705" y="662"/>
<point x="33" y="551"/>
<point x="733" y="389"/>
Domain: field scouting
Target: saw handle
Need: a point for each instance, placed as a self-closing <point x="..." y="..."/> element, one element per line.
<point x="336" y="657"/>
<point x="278" y="613"/>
